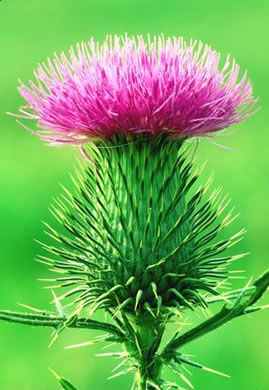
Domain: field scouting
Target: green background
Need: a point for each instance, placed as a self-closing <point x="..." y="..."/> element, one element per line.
<point x="30" y="31"/>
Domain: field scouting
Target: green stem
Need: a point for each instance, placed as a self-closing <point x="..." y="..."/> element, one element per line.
<point x="144" y="337"/>
<point x="226" y="314"/>
<point x="55" y="321"/>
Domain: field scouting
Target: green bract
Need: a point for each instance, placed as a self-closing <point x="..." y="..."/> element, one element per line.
<point x="139" y="237"/>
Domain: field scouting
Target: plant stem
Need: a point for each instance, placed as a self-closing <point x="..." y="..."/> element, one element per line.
<point x="142" y="333"/>
<point x="226" y="314"/>
<point x="55" y="321"/>
<point x="143" y="341"/>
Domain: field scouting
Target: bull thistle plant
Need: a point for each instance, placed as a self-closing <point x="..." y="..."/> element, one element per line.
<point x="141" y="233"/>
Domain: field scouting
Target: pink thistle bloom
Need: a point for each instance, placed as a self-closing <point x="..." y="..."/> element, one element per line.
<point x="129" y="85"/>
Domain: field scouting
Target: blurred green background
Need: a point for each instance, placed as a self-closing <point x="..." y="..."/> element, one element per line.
<point x="30" y="31"/>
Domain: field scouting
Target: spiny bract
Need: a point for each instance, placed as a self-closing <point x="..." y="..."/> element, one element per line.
<point x="139" y="237"/>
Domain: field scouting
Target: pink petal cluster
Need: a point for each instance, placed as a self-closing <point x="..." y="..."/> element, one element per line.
<point x="131" y="85"/>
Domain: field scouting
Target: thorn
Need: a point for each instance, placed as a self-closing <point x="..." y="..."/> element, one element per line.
<point x="108" y="346"/>
<point x="186" y="380"/>
<point x="87" y="343"/>
<point x="264" y="307"/>
<point x="30" y="307"/>
<point x="54" y="338"/>
<point x="241" y="295"/>
<point x="115" y="354"/>
<point x="215" y="372"/>
<point x="55" y="374"/>
<point x="58" y="305"/>
<point x="185" y="368"/>
<point x="118" y="366"/>
<point x="121" y="373"/>
<point x="182" y="324"/>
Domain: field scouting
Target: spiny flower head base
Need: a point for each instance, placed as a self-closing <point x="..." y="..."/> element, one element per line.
<point x="131" y="85"/>
<point x="138" y="238"/>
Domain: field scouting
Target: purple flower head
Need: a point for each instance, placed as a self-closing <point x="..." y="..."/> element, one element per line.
<point x="132" y="85"/>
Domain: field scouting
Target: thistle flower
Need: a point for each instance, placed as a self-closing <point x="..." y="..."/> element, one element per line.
<point x="138" y="238"/>
<point x="129" y="85"/>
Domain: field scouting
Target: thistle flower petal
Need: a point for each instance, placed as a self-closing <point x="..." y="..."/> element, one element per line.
<point x="133" y="85"/>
